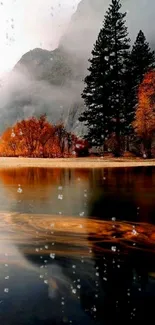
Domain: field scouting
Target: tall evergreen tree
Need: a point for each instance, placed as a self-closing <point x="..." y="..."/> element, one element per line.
<point x="142" y="58"/>
<point x="104" y="91"/>
<point x="95" y="94"/>
<point x="141" y="61"/>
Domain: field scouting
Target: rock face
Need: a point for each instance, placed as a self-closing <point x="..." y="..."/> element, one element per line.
<point x="52" y="81"/>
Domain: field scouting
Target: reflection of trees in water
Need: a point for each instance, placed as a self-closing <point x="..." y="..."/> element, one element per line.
<point x="127" y="194"/>
<point x="113" y="283"/>
<point x="34" y="177"/>
<point x="39" y="190"/>
<point x="29" y="176"/>
<point x="124" y="193"/>
<point x="122" y="294"/>
<point x="108" y="293"/>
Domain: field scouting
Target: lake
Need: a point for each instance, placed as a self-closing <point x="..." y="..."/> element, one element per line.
<point x="77" y="246"/>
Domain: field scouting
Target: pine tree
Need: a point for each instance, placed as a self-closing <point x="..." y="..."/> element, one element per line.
<point x="141" y="61"/>
<point x="104" y="91"/>
<point x="95" y="93"/>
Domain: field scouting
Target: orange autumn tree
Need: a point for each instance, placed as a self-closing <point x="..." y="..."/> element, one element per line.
<point x="144" y="123"/>
<point x="36" y="137"/>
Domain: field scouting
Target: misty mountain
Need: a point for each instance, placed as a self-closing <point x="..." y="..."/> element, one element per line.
<point x="52" y="81"/>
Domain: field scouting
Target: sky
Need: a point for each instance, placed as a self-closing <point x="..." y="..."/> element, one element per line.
<point x="27" y="24"/>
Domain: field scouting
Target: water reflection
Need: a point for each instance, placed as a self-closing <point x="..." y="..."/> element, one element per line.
<point x="126" y="194"/>
<point x="42" y="190"/>
<point x="89" y="268"/>
<point x="106" y="278"/>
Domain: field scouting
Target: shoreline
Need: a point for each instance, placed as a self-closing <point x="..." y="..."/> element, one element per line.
<point x="74" y="162"/>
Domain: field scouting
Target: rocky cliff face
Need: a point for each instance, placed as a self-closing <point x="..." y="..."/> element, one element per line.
<point x="74" y="48"/>
<point x="52" y="81"/>
<point x="61" y="71"/>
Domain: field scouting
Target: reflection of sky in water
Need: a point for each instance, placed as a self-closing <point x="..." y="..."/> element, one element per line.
<point x="34" y="290"/>
<point x="64" y="270"/>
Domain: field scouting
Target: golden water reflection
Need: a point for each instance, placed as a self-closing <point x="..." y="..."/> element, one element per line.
<point x="79" y="234"/>
<point x="73" y="257"/>
<point x="126" y="194"/>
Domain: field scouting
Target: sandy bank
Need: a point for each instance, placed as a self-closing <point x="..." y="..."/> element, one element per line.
<point x="74" y="162"/>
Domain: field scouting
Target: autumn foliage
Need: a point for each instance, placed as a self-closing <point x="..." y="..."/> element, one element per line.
<point x="36" y="137"/>
<point x="144" y="123"/>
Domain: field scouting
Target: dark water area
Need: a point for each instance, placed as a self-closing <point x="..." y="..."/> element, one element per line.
<point x="77" y="246"/>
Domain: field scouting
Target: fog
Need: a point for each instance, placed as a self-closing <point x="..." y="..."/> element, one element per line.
<point x="28" y="24"/>
<point x="87" y="21"/>
<point x="22" y="95"/>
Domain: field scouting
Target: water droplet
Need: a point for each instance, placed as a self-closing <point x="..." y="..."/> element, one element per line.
<point x="134" y="232"/>
<point x="113" y="248"/>
<point x="60" y="197"/>
<point x="19" y="190"/>
<point x="74" y="291"/>
<point x="13" y="134"/>
<point x="52" y="255"/>
<point x="46" y="281"/>
<point x="7" y="277"/>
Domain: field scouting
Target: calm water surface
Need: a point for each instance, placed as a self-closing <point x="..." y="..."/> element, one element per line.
<point x="77" y="246"/>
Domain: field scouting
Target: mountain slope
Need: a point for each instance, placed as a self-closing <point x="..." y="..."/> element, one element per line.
<point x="52" y="81"/>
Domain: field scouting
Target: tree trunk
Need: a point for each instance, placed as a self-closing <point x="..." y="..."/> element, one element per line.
<point x="103" y="149"/>
<point x="147" y="148"/>
<point x="118" y="140"/>
<point x="149" y="152"/>
<point x="127" y="143"/>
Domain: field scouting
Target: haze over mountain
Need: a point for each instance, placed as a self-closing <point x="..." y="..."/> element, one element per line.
<point x="52" y="81"/>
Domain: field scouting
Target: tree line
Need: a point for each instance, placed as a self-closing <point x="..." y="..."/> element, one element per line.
<point x="119" y="93"/>
<point x="37" y="137"/>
